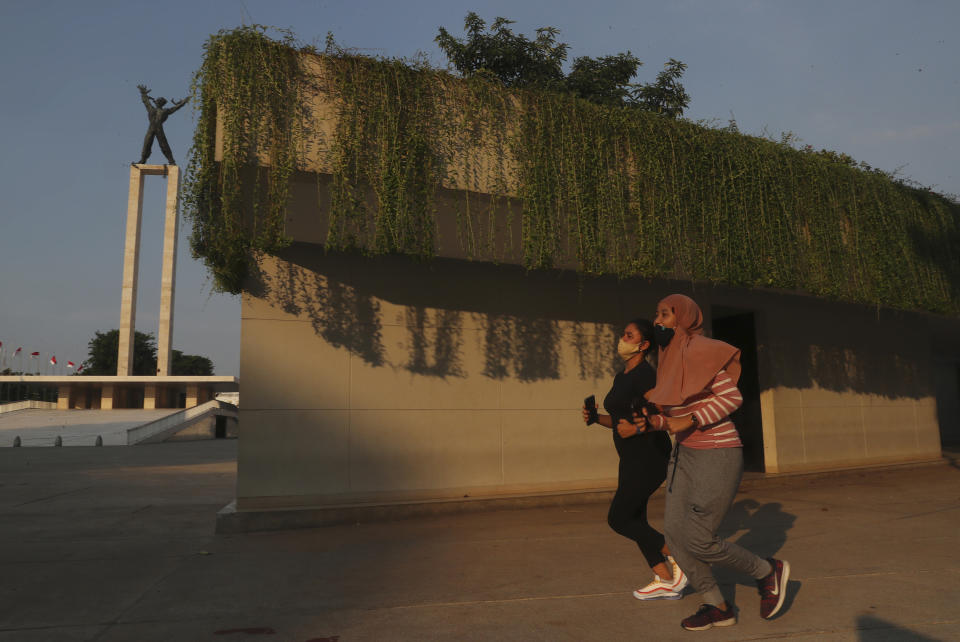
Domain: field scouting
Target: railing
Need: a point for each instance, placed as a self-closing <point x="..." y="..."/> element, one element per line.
<point x="28" y="405"/>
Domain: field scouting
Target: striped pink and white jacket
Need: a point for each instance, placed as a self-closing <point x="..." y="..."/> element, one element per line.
<point x="712" y="408"/>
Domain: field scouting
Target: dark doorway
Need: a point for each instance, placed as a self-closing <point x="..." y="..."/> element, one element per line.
<point x="738" y="327"/>
<point x="947" y="376"/>
<point x="220" y="432"/>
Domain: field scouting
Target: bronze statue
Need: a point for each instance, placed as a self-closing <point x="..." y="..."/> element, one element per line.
<point x="157" y="114"/>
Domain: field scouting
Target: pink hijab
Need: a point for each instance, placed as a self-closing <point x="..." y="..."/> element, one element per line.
<point x="691" y="361"/>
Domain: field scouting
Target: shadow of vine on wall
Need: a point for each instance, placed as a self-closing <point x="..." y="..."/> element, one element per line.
<point x="527" y="349"/>
<point x="436" y="354"/>
<point x="845" y="348"/>
<point x="344" y="317"/>
<point x="526" y="321"/>
<point x="519" y="319"/>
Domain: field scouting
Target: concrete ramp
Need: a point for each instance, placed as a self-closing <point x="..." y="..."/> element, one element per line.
<point x="40" y="427"/>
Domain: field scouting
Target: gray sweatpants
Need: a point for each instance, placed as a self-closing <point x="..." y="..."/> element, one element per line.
<point x="701" y="485"/>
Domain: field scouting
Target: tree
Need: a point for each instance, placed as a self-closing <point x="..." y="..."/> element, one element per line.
<point x="102" y="356"/>
<point x="190" y="364"/>
<point x="604" y="80"/>
<point x="666" y="96"/>
<point x="517" y="61"/>
<point x="514" y="60"/>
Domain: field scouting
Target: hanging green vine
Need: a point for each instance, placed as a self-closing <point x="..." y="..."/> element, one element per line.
<point x="383" y="144"/>
<point x="607" y="190"/>
<point x="254" y="88"/>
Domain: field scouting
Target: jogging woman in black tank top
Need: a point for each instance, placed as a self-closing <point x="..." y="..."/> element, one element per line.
<point x="643" y="463"/>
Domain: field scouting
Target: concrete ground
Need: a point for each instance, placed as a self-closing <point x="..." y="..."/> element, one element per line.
<point x="117" y="544"/>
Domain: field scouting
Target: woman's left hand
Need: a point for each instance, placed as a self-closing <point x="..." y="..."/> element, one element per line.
<point x="629" y="429"/>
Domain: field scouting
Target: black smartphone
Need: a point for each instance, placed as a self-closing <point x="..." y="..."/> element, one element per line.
<point x="591" y="404"/>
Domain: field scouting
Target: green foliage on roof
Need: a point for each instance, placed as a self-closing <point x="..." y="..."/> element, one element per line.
<point x="615" y="190"/>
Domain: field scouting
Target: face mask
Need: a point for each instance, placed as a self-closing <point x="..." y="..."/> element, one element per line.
<point x="662" y="335"/>
<point x="627" y="350"/>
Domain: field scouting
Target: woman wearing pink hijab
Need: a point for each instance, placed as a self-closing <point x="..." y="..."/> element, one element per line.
<point x="696" y="391"/>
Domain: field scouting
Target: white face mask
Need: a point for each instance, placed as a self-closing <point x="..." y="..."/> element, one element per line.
<point x="627" y="350"/>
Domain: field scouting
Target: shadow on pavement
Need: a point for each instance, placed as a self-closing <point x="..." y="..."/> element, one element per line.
<point x="766" y="527"/>
<point x="874" y="629"/>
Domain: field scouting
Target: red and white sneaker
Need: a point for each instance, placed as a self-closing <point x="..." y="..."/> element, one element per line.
<point x="680" y="580"/>
<point x="658" y="589"/>
<point x="773" y="588"/>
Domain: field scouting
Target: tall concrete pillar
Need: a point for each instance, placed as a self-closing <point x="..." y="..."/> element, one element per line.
<point x="169" y="273"/>
<point x="131" y="264"/>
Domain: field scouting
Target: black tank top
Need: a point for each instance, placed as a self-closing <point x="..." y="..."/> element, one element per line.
<point x="628" y="386"/>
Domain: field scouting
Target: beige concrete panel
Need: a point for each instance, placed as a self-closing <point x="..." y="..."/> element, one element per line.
<point x="768" y="418"/>
<point x="790" y="444"/>
<point x="882" y="401"/>
<point x="421" y="449"/>
<point x="544" y="446"/>
<point x="788" y="397"/>
<point x="890" y="430"/>
<point x="833" y="434"/>
<point x="292" y="452"/>
<point x="817" y="397"/>
<point x="422" y="374"/>
<point x="285" y="364"/>
<point x="252" y="307"/>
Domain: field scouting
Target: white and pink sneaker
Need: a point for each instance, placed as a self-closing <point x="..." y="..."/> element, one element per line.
<point x="661" y="589"/>
<point x="658" y="589"/>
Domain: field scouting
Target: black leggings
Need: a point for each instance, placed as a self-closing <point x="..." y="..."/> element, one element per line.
<point x="643" y="468"/>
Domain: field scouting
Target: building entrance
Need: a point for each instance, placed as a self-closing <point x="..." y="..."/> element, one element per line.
<point x="738" y="328"/>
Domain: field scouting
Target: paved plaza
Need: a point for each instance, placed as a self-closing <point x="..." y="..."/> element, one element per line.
<point x="74" y="427"/>
<point x="113" y="544"/>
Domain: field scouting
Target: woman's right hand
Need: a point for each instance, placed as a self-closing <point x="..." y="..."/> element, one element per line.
<point x="586" y="414"/>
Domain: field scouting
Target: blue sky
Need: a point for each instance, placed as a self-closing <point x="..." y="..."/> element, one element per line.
<point x="875" y="79"/>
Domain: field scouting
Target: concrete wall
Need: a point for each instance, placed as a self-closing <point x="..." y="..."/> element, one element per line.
<point x="846" y="385"/>
<point x="385" y="379"/>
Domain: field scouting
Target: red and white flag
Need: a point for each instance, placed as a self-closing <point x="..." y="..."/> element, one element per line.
<point x="53" y="360"/>
<point x="80" y="369"/>
<point x="17" y="351"/>
<point x="34" y="354"/>
<point x="70" y="364"/>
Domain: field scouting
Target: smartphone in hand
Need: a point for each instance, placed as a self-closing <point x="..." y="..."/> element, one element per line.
<point x="591" y="405"/>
